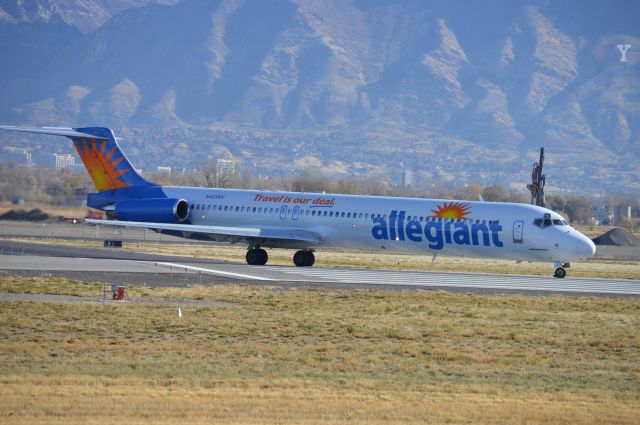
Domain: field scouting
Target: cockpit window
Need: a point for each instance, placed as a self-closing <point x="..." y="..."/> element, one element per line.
<point x="548" y="221"/>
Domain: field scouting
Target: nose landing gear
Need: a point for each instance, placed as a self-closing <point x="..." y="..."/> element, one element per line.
<point x="560" y="272"/>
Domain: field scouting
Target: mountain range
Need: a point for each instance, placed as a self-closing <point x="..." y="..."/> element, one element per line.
<point x="460" y="91"/>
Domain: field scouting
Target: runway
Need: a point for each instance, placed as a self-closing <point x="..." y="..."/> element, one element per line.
<point x="124" y="266"/>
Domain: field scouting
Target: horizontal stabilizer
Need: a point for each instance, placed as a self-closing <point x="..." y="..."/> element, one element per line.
<point x="54" y="131"/>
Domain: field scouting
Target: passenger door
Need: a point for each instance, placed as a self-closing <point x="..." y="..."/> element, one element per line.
<point x="518" y="230"/>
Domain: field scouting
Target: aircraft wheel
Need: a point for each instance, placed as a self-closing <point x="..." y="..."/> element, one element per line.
<point x="304" y="259"/>
<point x="309" y="259"/>
<point x="263" y="257"/>
<point x="256" y="257"/>
<point x="560" y="273"/>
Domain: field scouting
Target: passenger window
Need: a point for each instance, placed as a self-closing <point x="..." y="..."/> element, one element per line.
<point x="260" y="209"/>
<point x="325" y="213"/>
<point x="254" y="209"/>
<point x="193" y="206"/>
<point x="237" y="209"/>
<point x="349" y="215"/>
<point x="313" y="213"/>
<point x="331" y="214"/>
<point x="366" y="216"/>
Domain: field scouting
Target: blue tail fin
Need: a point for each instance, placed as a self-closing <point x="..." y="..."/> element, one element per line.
<point x="106" y="164"/>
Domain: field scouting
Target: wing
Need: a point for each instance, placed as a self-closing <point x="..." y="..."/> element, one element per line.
<point x="225" y="232"/>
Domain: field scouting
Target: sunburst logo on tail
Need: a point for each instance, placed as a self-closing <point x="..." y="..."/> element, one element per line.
<point x="101" y="164"/>
<point x="452" y="210"/>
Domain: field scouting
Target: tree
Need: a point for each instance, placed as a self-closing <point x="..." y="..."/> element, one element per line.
<point x="215" y="175"/>
<point x="311" y="180"/>
<point x="472" y="192"/>
<point x="495" y="193"/>
<point x="578" y="209"/>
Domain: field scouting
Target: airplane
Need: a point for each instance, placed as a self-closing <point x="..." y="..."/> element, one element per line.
<point x="307" y="221"/>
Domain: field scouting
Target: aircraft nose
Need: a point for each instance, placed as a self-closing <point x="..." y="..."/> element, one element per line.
<point x="585" y="248"/>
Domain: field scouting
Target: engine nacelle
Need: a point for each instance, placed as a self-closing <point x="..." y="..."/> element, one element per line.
<point x="160" y="210"/>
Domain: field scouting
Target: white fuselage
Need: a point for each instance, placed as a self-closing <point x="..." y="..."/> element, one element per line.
<point x="487" y="229"/>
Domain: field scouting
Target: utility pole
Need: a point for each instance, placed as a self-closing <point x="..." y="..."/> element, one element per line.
<point x="538" y="181"/>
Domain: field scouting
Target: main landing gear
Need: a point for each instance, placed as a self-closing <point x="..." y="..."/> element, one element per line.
<point x="560" y="272"/>
<point x="257" y="257"/>
<point x="304" y="258"/>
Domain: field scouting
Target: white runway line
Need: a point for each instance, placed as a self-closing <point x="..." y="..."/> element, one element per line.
<point x="212" y="271"/>
<point x="466" y="280"/>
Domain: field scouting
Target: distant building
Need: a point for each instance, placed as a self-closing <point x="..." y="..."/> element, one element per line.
<point x="402" y="178"/>
<point x="621" y="213"/>
<point x="602" y="214"/>
<point x="226" y="166"/>
<point x="164" y="169"/>
<point x="62" y="161"/>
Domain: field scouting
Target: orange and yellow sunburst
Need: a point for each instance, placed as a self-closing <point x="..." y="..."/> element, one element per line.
<point x="100" y="165"/>
<point x="452" y="210"/>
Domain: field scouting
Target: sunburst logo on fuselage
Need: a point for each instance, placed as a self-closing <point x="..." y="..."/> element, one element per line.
<point x="452" y="210"/>
<point x="101" y="164"/>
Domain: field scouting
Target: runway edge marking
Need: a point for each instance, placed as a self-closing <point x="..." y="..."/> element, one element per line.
<point x="212" y="271"/>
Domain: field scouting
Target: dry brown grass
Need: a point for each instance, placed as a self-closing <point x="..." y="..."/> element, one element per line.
<point x="134" y="401"/>
<point x="310" y="356"/>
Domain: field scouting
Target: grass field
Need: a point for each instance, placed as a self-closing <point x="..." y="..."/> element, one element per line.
<point x="317" y="356"/>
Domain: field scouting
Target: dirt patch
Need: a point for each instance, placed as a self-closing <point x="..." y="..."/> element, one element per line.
<point x="617" y="237"/>
<point x="35" y="214"/>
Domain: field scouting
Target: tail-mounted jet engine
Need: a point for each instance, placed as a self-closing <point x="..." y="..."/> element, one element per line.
<point x="160" y="210"/>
